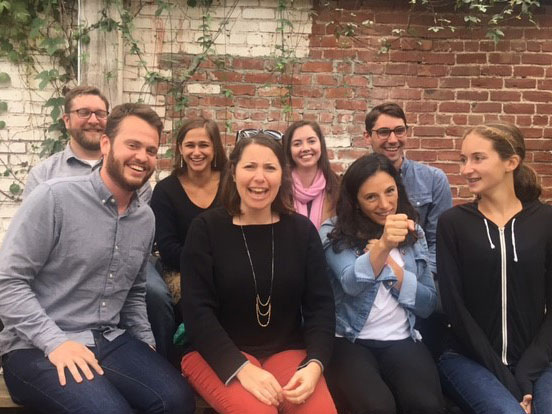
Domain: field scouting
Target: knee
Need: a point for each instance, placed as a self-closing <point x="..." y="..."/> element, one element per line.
<point x="373" y="404"/>
<point x="179" y="399"/>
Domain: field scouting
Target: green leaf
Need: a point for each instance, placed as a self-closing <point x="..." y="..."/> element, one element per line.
<point x="3" y="106"/>
<point x="2" y="124"/>
<point x="15" y="189"/>
<point x="4" y="77"/>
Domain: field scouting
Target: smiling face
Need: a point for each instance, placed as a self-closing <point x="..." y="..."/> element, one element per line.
<point x="392" y="147"/>
<point x="378" y="197"/>
<point x="482" y="166"/>
<point x="86" y="133"/>
<point x="258" y="176"/>
<point x="197" y="150"/>
<point x="131" y="156"/>
<point x="305" y="148"/>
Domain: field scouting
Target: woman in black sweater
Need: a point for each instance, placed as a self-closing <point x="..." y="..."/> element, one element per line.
<point x="191" y="189"/>
<point x="257" y="301"/>
<point x="494" y="260"/>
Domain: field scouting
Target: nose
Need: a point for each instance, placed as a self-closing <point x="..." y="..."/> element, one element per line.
<point x="141" y="155"/>
<point x="384" y="203"/>
<point x="93" y="119"/>
<point x="392" y="137"/>
<point x="258" y="175"/>
<point x="466" y="168"/>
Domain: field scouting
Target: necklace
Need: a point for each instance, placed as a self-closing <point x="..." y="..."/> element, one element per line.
<point x="263" y="310"/>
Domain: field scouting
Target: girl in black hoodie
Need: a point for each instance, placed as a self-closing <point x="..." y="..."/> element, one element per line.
<point x="494" y="260"/>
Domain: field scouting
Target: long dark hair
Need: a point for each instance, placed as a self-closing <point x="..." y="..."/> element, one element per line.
<point x="353" y="228"/>
<point x="219" y="159"/>
<point x="332" y="182"/>
<point x="230" y="198"/>
<point x="507" y="141"/>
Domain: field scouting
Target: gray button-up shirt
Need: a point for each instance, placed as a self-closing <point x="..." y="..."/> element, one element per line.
<point x="69" y="263"/>
<point x="67" y="164"/>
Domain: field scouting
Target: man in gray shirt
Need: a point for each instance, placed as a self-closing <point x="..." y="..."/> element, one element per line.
<point x="86" y="110"/>
<point x="72" y="286"/>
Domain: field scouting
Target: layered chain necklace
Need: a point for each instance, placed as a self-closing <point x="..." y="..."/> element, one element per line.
<point x="263" y="310"/>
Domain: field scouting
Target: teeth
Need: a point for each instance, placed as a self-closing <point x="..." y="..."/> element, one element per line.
<point x="137" y="168"/>
<point x="257" y="190"/>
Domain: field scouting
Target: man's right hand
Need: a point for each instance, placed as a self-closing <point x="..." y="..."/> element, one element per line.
<point x="74" y="356"/>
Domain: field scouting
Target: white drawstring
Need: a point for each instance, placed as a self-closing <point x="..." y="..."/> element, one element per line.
<point x="514" y="241"/>
<point x="488" y="234"/>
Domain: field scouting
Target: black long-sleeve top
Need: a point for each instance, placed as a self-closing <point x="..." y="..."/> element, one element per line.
<point x="496" y="285"/>
<point x="219" y="295"/>
<point x="174" y="212"/>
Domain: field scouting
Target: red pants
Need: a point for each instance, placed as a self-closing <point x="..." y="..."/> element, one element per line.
<point x="234" y="399"/>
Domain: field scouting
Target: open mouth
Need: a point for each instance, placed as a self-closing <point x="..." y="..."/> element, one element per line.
<point x="137" y="168"/>
<point x="473" y="180"/>
<point x="257" y="192"/>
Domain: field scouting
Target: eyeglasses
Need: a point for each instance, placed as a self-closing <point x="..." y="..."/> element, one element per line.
<point x="86" y="113"/>
<point x="384" y="133"/>
<point x="251" y="132"/>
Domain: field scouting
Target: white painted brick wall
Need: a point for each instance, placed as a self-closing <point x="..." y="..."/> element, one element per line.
<point x="250" y="32"/>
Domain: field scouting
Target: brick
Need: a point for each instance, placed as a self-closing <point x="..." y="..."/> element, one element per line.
<point x="369" y="68"/>
<point x="438" y="58"/>
<point x="439" y="94"/>
<point x="388" y="81"/>
<point x="407" y="94"/>
<point x="428" y="131"/>
<point x="520" y="108"/>
<point x="350" y="104"/>
<point x="258" y="77"/>
<point x="317" y="67"/>
<point x="400" y="69"/>
<point x="472" y="95"/>
<point x="504" y="58"/>
<point x="496" y="70"/>
<point x="338" y="93"/>
<point x="423" y="155"/>
<point x="533" y="71"/>
<point x="454" y="83"/>
<point x="544" y="84"/>
<point x="325" y="79"/>
<point x="454" y="107"/>
<point x="356" y="80"/>
<point x="420" y="107"/>
<point x="271" y="91"/>
<point x="415" y="82"/>
<point x="505" y="96"/>
<point x="465" y="71"/>
<point x="520" y="83"/>
<point x="487" y="83"/>
<point x="437" y="143"/>
<point x="254" y="103"/>
<point x="537" y="96"/>
<point x="307" y="91"/>
<point x="242" y="89"/>
<point x="248" y="63"/>
<point x="486" y="107"/>
<point x="432" y="70"/>
<point x="471" y="58"/>
<point x="339" y="53"/>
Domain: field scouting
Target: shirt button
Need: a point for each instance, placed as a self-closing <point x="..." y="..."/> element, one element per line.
<point x="116" y="247"/>
<point x="417" y="203"/>
<point x="111" y="275"/>
<point x="103" y="303"/>
<point x="112" y="201"/>
<point x="103" y="201"/>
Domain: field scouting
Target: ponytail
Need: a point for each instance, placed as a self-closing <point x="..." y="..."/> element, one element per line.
<point x="526" y="183"/>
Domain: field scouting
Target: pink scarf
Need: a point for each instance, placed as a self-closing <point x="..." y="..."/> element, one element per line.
<point x="315" y="192"/>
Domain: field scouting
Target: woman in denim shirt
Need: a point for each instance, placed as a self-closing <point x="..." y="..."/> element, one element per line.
<point x="381" y="281"/>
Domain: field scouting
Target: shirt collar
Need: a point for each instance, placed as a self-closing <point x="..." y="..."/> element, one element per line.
<point x="107" y="198"/>
<point x="68" y="155"/>
<point x="405" y="165"/>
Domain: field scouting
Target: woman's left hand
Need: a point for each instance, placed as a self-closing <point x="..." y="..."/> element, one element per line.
<point x="526" y="404"/>
<point x="302" y="384"/>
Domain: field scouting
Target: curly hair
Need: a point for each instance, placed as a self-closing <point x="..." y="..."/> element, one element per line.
<point x="353" y="228"/>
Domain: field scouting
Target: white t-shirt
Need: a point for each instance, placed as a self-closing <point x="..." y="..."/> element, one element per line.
<point x="388" y="320"/>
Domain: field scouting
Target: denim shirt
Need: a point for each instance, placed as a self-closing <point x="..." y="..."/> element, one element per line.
<point x="429" y="192"/>
<point x="355" y="285"/>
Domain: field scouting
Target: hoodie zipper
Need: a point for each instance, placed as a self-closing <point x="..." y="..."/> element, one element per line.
<point x="504" y="294"/>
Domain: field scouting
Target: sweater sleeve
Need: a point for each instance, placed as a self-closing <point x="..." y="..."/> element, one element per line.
<point x="538" y="355"/>
<point x="166" y="227"/>
<point x="200" y="304"/>
<point x="318" y="305"/>
<point x="466" y="330"/>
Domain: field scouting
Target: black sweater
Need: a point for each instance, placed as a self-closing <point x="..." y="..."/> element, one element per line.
<point x="174" y="212"/>
<point x="472" y="286"/>
<point x="219" y="295"/>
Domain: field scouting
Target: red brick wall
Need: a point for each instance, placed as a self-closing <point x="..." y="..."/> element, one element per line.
<point x="444" y="82"/>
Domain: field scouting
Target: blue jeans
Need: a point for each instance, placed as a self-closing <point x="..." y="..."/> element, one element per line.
<point x="160" y="310"/>
<point x="135" y="378"/>
<point x="477" y="390"/>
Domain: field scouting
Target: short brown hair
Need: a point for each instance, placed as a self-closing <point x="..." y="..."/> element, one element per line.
<point x="389" y="108"/>
<point x="219" y="160"/>
<point x="80" y="91"/>
<point x="283" y="203"/>
<point x="141" y="111"/>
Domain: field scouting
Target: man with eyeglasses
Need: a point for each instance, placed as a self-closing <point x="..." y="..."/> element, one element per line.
<point x="85" y="117"/>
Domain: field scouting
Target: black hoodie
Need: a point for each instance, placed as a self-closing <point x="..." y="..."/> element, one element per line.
<point x="496" y="284"/>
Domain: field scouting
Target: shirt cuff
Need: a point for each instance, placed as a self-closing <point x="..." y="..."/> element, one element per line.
<point x="236" y="372"/>
<point x="312" y="360"/>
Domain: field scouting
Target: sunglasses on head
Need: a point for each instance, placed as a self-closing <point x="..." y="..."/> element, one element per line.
<point x="251" y="132"/>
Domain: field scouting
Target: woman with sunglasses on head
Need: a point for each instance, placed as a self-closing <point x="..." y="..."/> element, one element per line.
<point x="315" y="185"/>
<point x="192" y="188"/>
<point x="381" y="280"/>
<point x="494" y="256"/>
<point x="257" y="302"/>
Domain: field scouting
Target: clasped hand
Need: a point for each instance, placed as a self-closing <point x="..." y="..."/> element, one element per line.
<point x="264" y="386"/>
<point x="75" y="357"/>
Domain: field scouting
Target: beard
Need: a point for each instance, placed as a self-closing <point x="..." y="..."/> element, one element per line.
<point x="88" y="139"/>
<point x="116" y="170"/>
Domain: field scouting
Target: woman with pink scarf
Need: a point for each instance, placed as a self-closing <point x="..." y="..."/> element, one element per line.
<point x="315" y="185"/>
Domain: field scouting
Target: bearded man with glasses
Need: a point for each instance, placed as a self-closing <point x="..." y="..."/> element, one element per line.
<point x="85" y="117"/>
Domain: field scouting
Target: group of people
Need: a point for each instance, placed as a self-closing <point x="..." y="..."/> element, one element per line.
<point x="301" y="292"/>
